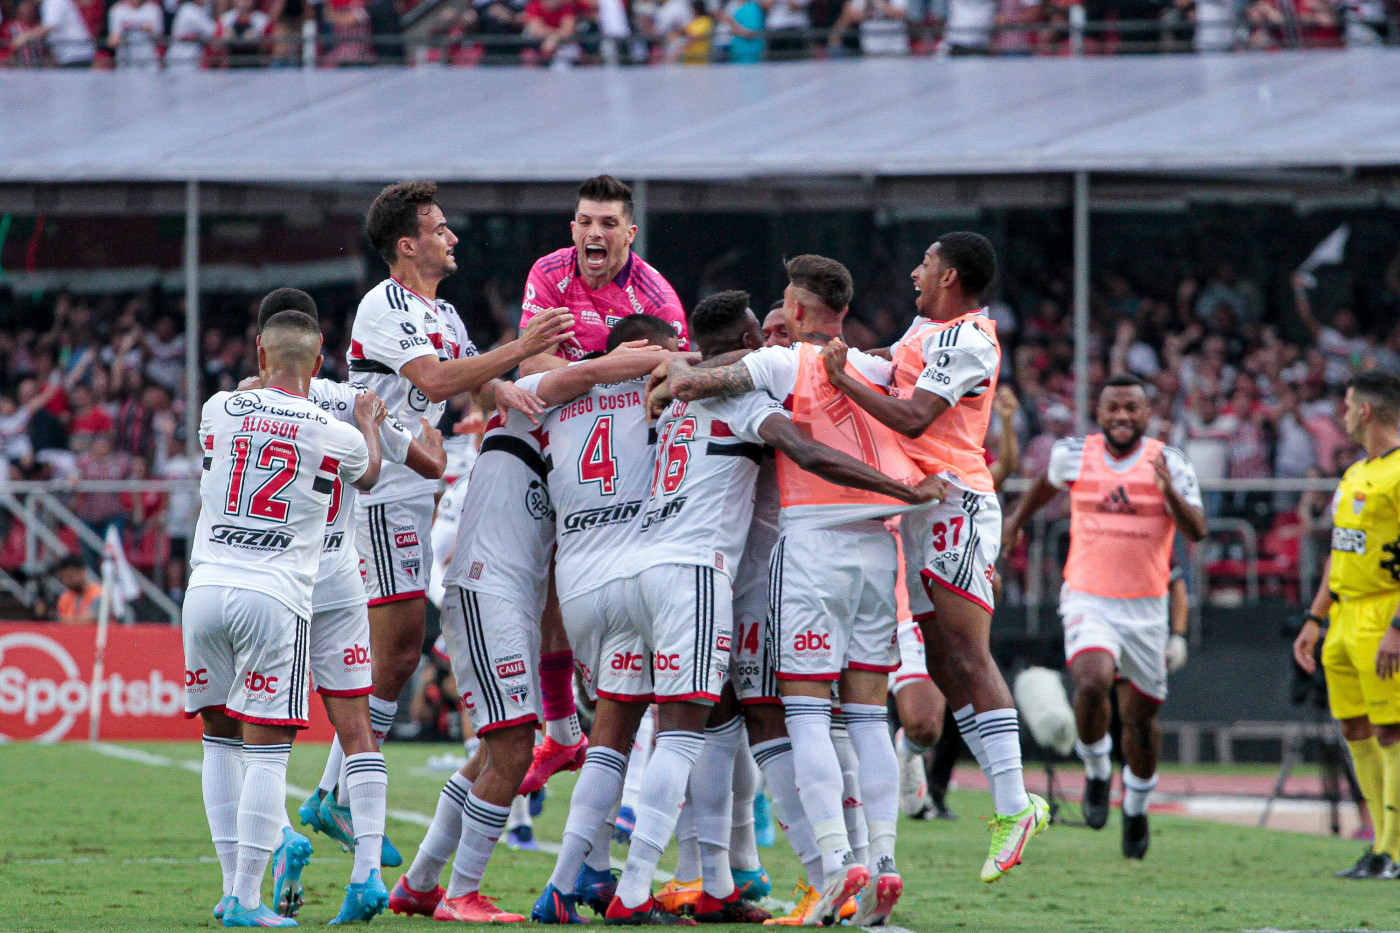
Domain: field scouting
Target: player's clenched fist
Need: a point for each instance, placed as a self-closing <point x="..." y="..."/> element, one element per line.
<point x="834" y="359"/>
<point x="431" y="438"/>
<point x="547" y="330"/>
<point x="369" y="408"/>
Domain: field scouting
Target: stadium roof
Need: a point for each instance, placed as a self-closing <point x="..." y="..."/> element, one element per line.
<point x="905" y="117"/>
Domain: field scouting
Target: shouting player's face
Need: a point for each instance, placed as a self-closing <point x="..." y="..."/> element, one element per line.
<point x="433" y="247"/>
<point x="1123" y="414"/>
<point x="603" y="237"/>
<point x="775" y="332"/>
<point x="926" y="278"/>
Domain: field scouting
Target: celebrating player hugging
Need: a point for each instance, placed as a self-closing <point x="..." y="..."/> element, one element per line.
<point x="734" y="535"/>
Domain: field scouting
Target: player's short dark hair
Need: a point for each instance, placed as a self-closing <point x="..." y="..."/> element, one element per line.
<point x="718" y="315"/>
<point x="606" y="188"/>
<point x="296" y="321"/>
<point x="776" y="306"/>
<point x="1124" y="381"/>
<point x="1380" y="389"/>
<point x="286" y="299"/>
<point x="639" y="327"/>
<point x="826" y="278"/>
<point x="69" y="562"/>
<point x="394" y="214"/>
<point x="972" y="257"/>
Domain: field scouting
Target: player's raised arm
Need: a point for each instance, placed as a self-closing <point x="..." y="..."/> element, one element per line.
<point x="1189" y="517"/>
<point x="440" y="380"/>
<point x="779" y="432"/>
<point x="689" y="383"/>
<point x="1033" y="501"/>
<point x="632" y="359"/>
<point x="427" y="457"/>
<point x="369" y="412"/>
<point x="909" y="416"/>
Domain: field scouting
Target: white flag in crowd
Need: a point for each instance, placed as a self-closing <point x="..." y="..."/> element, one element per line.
<point x="1327" y="253"/>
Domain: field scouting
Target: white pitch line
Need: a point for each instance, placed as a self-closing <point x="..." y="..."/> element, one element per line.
<point x="298" y="794"/>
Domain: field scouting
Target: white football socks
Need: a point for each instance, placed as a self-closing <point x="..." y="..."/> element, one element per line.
<point x="852" y="805"/>
<point x="519" y="813"/>
<point x="687" y="842"/>
<point x="713" y="792"/>
<point x="482" y="825"/>
<point x="1097" y="764"/>
<point x="599" y="857"/>
<point x="595" y="795"/>
<point x="743" y="846"/>
<point x="878" y="768"/>
<point x="442" y="837"/>
<point x="818" y="776"/>
<point x="637" y="760"/>
<point x="261" y="808"/>
<point x="966" y="719"/>
<point x="1136" y="792"/>
<point x="381" y="717"/>
<point x="659" y="806"/>
<point x="335" y="763"/>
<point x="222" y="781"/>
<point x="775" y="760"/>
<point x="1001" y="739"/>
<point x="367" y="785"/>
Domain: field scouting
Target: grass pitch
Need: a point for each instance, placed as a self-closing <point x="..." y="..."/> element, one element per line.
<point x="90" y="842"/>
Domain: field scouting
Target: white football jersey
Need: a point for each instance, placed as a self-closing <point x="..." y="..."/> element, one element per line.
<point x="599" y="453"/>
<point x="702" y="490"/>
<point x="394" y="326"/>
<point x="959" y="362"/>
<point x="271" y="460"/>
<point x="763" y="529"/>
<point x="506" y="529"/>
<point x="338" y="581"/>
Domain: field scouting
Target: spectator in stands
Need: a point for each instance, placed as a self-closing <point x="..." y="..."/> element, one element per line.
<point x="968" y="30"/>
<point x="87" y="417"/>
<point x="78" y="604"/>
<point x="1266" y="22"/>
<point x="190" y="34"/>
<point x="740" y="31"/>
<point x="134" y="29"/>
<point x="244" y="31"/>
<point x="102" y="461"/>
<point x="1214" y="22"/>
<point x="386" y="31"/>
<point x="1226" y="288"/>
<point x="1205" y="435"/>
<point x="1366" y="23"/>
<point x="23" y="36"/>
<point x="1017" y="22"/>
<point x="165" y="354"/>
<point x="785" y="22"/>
<point x="883" y="24"/>
<point x="350" y="25"/>
<point x="552" y="25"/>
<point x="68" y="35"/>
<point x="1340" y="343"/>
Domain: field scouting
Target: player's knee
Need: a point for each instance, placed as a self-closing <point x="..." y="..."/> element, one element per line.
<point x="1091" y="687"/>
<point x="512" y="750"/>
<point x="923" y="731"/>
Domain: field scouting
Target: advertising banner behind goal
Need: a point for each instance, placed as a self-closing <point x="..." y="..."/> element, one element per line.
<point x="46" y="683"/>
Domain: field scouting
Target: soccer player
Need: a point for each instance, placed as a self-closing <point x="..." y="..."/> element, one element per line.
<point x="694" y="529"/>
<point x="272" y="460"/>
<point x="940" y="402"/>
<point x="340" y="661"/>
<point x="411" y="348"/>
<point x="1129" y="496"/>
<point x="599" y="279"/>
<point x="1359" y="595"/>
<point x="492" y="606"/>
<point x="832" y="582"/>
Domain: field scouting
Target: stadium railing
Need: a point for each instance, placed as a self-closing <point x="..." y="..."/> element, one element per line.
<point x="1237" y="564"/>
<point x="1072" y="34"/>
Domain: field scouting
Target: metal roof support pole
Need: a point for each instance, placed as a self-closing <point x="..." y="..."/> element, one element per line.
<point x="1081" y="301"/>
<point x="639" y="216"/>
<point x="193" y="343"/>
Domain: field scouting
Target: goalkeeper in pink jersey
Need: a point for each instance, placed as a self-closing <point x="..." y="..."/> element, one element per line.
<point x="599" y="279"/>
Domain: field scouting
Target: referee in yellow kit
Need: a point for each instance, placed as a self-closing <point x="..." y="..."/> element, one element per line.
<point x="1359" y="595"/>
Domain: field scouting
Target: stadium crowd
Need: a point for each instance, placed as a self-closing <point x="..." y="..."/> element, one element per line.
<point x="193" y="34"/>
<point x="93" y="387"/>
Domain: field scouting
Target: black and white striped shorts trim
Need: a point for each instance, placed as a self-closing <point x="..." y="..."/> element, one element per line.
<point x="299" y="683"/>
<point x="382" y="553"/>
<point x="492" y="698"/>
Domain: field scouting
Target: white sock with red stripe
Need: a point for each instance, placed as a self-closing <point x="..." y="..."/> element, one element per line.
<point x="262" y="806"/>
<point x="442" y="836"/>
<point x="775" y="759"/>
<point x="482" y="825"/>
<point x="658" y="808"/>
<point x="222" y="780"/>
<point x="367" y="783"/>
<point x="818" y="773"/>
<point x="595" y="795"/>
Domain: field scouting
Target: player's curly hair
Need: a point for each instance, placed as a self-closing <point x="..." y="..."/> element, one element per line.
<point x="972" y="257"/>
<point x="394" y="214"/>
<point x="606" y="189"/>
<point x="719" y="314"/>
<point x="826" y="278"/>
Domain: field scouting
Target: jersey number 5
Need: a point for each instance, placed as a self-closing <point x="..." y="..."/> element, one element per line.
<point x="595" y="462"/>
<point x="275" y="455"/>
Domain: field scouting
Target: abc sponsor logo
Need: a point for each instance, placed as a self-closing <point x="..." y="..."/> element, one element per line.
<point x="42" y="691"/>
<point x="812" y="641"/>
<point x="627" y="661"/>
<point x="667" y="662"/>
<point x="356" y="657"/>
<point x="256" y="684"/>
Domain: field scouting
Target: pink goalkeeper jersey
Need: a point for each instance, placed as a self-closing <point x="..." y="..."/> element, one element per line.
<point x="554" y="282"/>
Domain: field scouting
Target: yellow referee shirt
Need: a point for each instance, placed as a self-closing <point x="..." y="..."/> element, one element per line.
<point x="1366" y="530"/>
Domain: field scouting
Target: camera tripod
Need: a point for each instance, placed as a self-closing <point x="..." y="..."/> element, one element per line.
<point x="1334" y="763"/>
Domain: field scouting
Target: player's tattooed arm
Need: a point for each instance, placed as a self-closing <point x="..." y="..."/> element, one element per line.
<point x="690" y="383"/>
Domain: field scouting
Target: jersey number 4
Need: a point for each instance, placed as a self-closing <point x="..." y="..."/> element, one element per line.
<point x="277" y="456"/>
<point x="596" y="463"/>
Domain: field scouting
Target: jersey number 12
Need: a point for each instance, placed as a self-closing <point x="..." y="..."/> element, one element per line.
<point x="275" y="455"/>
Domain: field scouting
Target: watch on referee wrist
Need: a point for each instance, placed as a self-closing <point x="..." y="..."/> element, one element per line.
<point x="1314" y="617"/>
